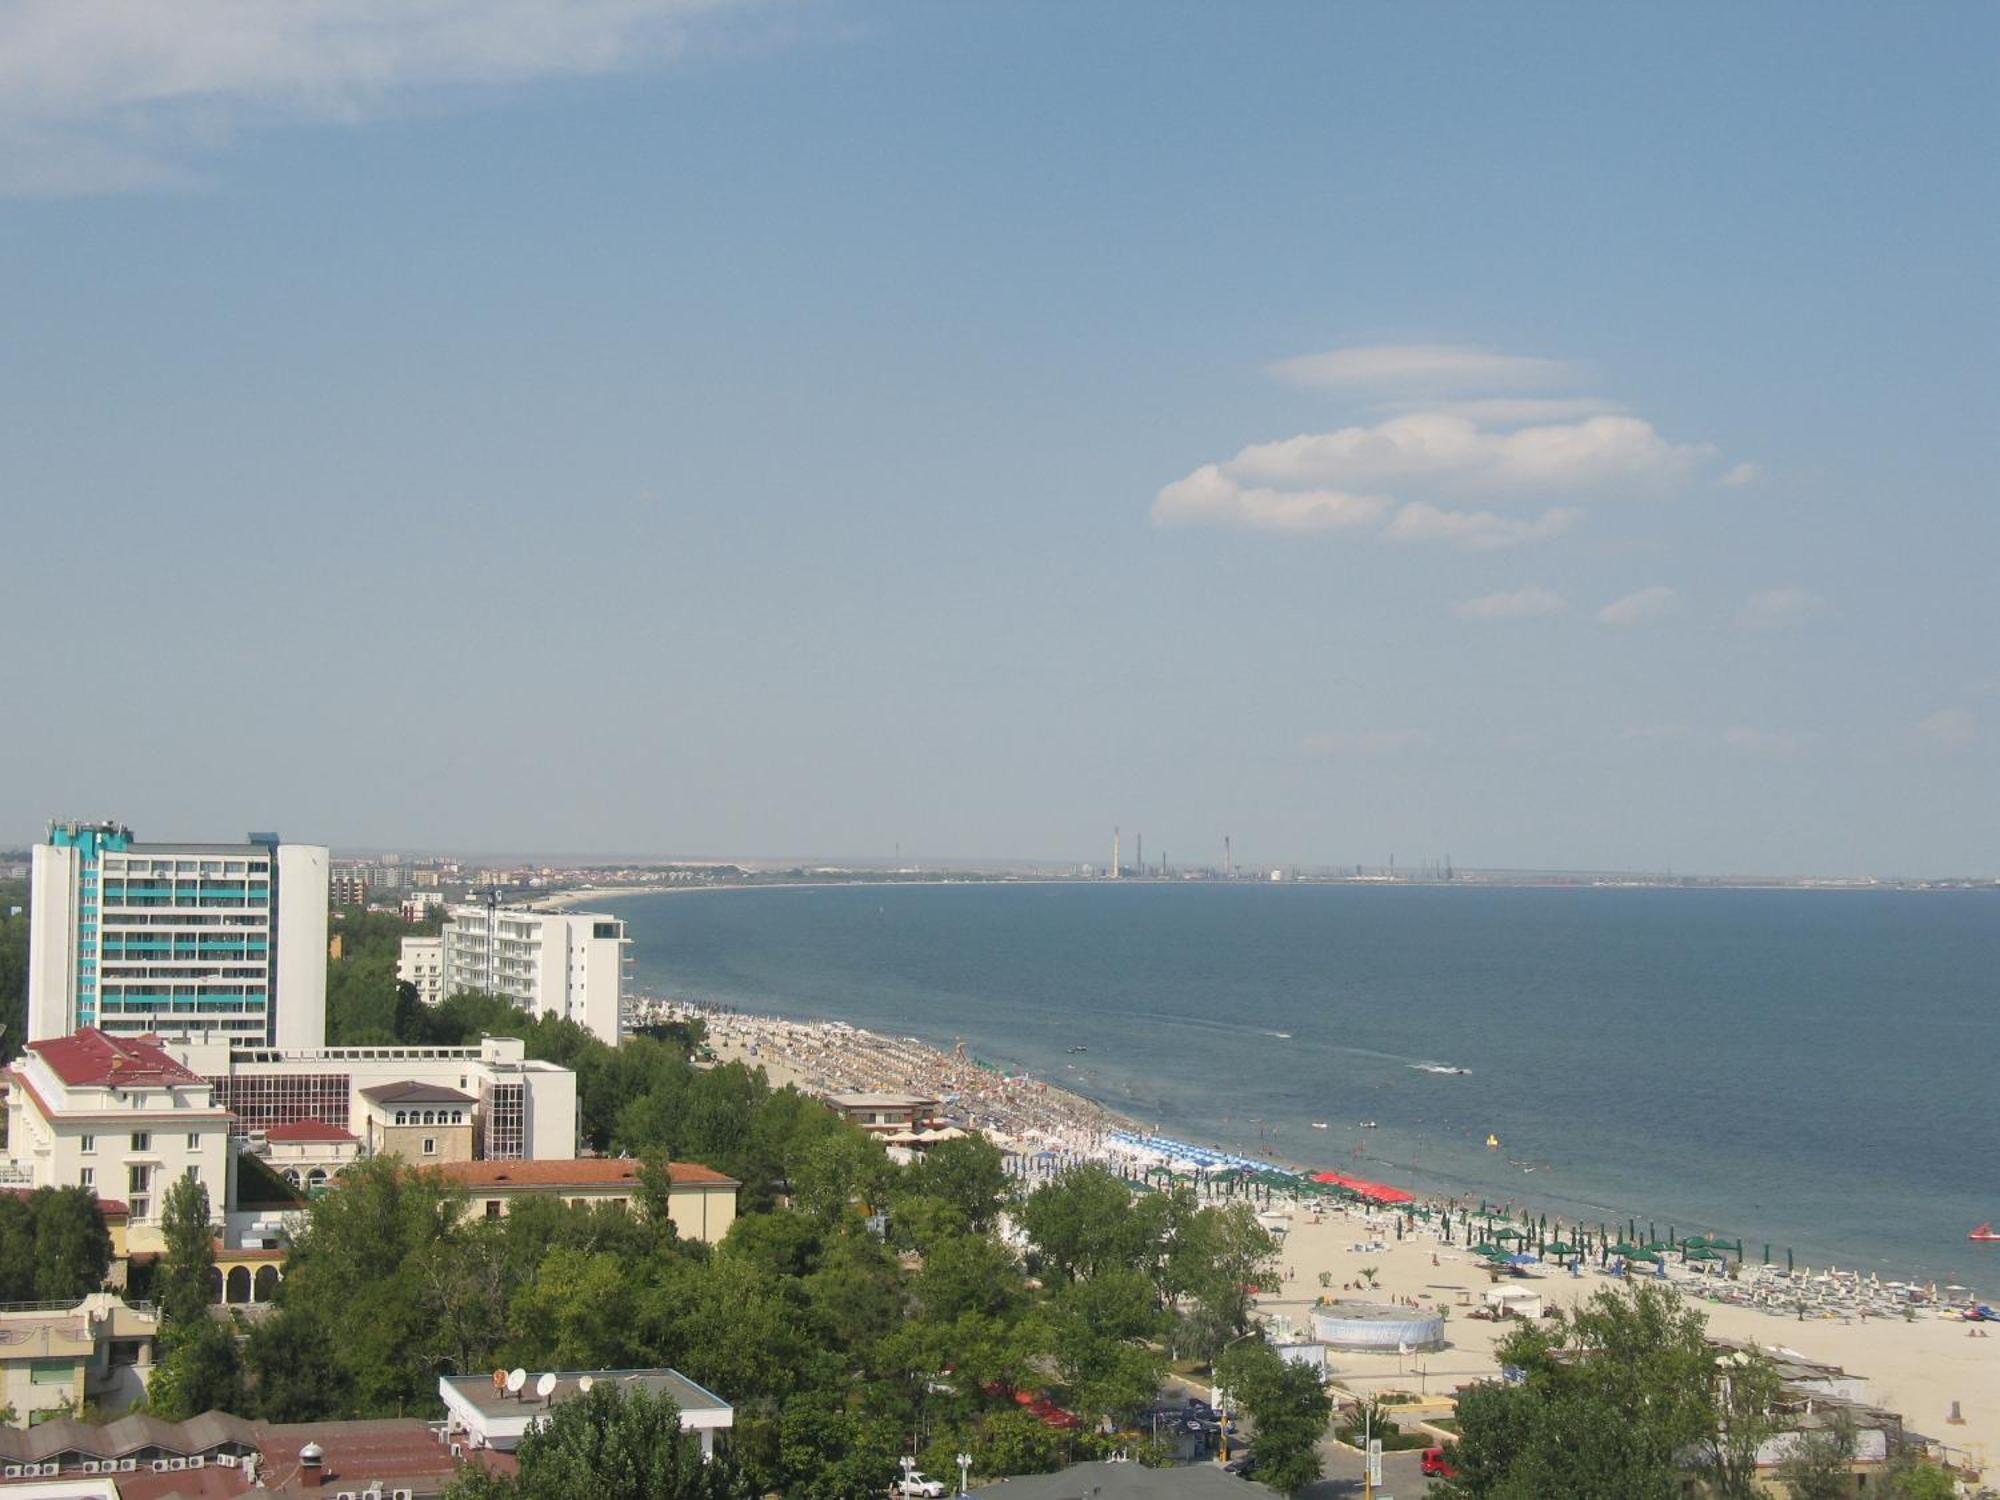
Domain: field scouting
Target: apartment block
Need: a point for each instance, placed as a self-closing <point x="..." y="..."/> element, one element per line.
<point x="548" y="962"/>
<point x="420" y="964"/>
<point x="161" y="939"/>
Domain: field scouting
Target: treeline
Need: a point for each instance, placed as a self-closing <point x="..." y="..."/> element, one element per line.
<point x="840" y="1348"/>
<point x="13" y="968"/>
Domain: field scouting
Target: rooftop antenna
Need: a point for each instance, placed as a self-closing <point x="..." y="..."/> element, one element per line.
<point x="1139" y="851"/>
<point x="1228" y="859"/>
<point x="546" y="1387"/>
<point x="1116" y="854"/>
<point x="516" y="1378"/>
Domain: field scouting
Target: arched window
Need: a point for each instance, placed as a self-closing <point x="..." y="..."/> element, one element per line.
<point x="402" y="1117"/>
<point x="265" y="1287"/>
<point x="239" y="1283"/>
<point x="292" y="1176"/>
<point x="316" y="1178"/>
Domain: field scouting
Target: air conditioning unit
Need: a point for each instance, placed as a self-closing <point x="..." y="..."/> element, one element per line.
<point x="227" y="1460"/>
<point x="197" y="1461"/>
<point x="177" y="1464"/>
<point x="90" y="1466"/>
<point x="403" y="1495"/>
<point x="127" y="1465"/>
<point x="159" y="1466"/>
<point x="11" y="1471"/>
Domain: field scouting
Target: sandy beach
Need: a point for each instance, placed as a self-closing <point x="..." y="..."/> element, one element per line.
<point x="1918" y="1368"/>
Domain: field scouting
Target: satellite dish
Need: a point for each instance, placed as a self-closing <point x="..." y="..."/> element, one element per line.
<point x="516" y="1378"/>
<point x="585" y="1382"/>
<point x="546" y="1386"/>
<point x="499" y="1380"/>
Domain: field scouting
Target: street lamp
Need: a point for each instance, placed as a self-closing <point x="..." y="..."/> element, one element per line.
<point x="964" y="1469"/>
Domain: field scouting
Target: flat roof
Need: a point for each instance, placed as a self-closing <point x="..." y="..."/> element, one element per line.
<point x="480" y="1394"/>
<point x="889" y="1101"/>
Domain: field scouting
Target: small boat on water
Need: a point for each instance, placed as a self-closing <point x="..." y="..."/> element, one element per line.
<point x="1985" y="1234"/>
<point x="1319" y="1124"/>
<point x="1079" y="1049"/>
<point x="1367" y="1124"/>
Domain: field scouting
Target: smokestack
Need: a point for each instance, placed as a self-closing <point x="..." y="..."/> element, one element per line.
<point x="312" y="1464"/>
<point x="1116" y="868"/>
<point x="1228" y="859"/>
<point x="1139" y="851"/>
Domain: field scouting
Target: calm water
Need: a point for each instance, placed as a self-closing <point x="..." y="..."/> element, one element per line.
<point x="1812" y="1069"/>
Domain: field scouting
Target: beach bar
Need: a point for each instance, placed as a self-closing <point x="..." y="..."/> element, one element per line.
<point x="1377" y="1326"/>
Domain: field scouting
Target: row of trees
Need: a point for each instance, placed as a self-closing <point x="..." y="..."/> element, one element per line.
<point x="53" y="1245"/>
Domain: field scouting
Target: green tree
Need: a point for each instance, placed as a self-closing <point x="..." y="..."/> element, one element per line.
<point x="13" y="968"/>
<point x="1747" y="1388"/>
<point x="1014" y="1441"/>
<point x="1081" y="1223"/>
<point x="1287" y="1404"/>
<point x="856" y="1290"/>
<point x="200" y="1371"/>
<point x="1613" y="1398"/>
<point x="1820" y="1461"/>
<point x="1103" y="1329"/>
<point x="17" y="1248"/>
<point x="182" y="1286"/>
<point x="1912" y="1478"/>
<point x="968" y="1173"/>
<point x="610" y="1444"/>
<point x="293" y="1371"/>
<point x="829" y="1451"/>
<point x="72" y="1246"/>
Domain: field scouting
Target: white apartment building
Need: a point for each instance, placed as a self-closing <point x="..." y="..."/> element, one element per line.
<point x="548" y="962"/>
<point x="420" y="964"/>
<point x="121" y="1117"/>
<point x="140" y="939"/>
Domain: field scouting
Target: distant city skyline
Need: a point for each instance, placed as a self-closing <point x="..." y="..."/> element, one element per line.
<point x="1556" y="439"/>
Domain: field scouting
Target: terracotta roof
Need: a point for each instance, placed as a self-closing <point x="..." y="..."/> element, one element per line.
<point x="90" y="1057"/>
<point x="411" y="1092"/>
<point x="111" y="1208"/>
<point x="308" y="1130"/>
<point x="589" y="1172"/>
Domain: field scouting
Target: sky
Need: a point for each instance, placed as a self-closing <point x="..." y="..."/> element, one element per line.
<point x="1544" y="435"/>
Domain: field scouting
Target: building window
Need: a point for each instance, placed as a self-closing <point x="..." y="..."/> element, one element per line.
<point x="194" y="1140"/>
<point x="87" y="1145"/>
<point x="430" y="1145"/>
<point x="138" y="1179"/>
<point x="193" y="1174"/>
<point x="88" y="1178"/>
<point x="142" y="1140"/>
<point x="51" y="1372"/>
<point x="140" y="1207"/>
<point x="492" y="1208"/>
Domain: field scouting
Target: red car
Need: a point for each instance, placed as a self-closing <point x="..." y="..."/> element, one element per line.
<point x="1436" y="1466"/>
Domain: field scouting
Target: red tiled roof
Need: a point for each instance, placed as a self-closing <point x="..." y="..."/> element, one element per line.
<point x="589" y="1172"/>
<point x="111" y="1208"/>
<point x="308" y="1130"/>
<point x="90" y="1057"/>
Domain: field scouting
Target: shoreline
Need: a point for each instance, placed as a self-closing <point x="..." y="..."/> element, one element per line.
<point x="1903" y="1340"/>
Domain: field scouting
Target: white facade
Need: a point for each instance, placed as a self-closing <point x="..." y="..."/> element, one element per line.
<point x="552" y="963"/>
<point x="525" y="1108"/>
<point x="420" y="964"/>
<point x="168" y="939"/>
<point x="120" y="1117"/>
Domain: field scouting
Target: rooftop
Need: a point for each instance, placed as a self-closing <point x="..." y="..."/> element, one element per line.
<point x="89" y="1057"/>
<point x="483" y="1395"/>
<point x="416" y="1093"/>
<point x="1109" y="1481"/>
<point x="879" y="1101"/>
<point x="308" y="1130"/>
<point x="589" y="1172"/>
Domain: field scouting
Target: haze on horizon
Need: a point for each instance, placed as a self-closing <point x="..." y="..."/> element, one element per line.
<point x="1553" y="437"/>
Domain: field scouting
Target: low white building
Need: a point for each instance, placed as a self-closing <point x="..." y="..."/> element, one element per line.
<point x="521" y="1108"/>
<point x="548" y="962"/>
<point x="420" y="964"/>
<point x="55" y="1359"/>
<point x="496" y="1411"/>
<point x="121" y="1117"/>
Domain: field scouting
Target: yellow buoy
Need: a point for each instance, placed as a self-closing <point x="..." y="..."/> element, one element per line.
<point x="1493" y="1143"/>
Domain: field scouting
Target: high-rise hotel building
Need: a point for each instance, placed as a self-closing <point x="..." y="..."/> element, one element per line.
<point x="548" y="962"/>
<point x="177" y="939"/>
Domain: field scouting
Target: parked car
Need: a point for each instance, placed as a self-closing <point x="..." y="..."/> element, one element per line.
<point x="1244" y="1466"/>
<point x="1437" y="1466"/>
<point x="918" y="1483"/>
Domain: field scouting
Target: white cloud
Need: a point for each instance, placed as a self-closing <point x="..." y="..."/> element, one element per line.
<point x="1530" y="603"/>
<point x="1741" y="474"/>
<point x="1454" y="455"/>
<point x="1421" y="368"/>
<point x="1949" y="729"/>
<point x="1208" y="497"/>
<point x="1367" y="741"/>
<point x="107" y="95"/>
<point x="1646" y="607"/>
<point x="1764" y="741"/>
<point x="1477" y="530"/>
<point x="1780" y="608"/>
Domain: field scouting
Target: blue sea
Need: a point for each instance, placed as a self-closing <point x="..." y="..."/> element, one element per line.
<point x="1803" y="1069"/>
